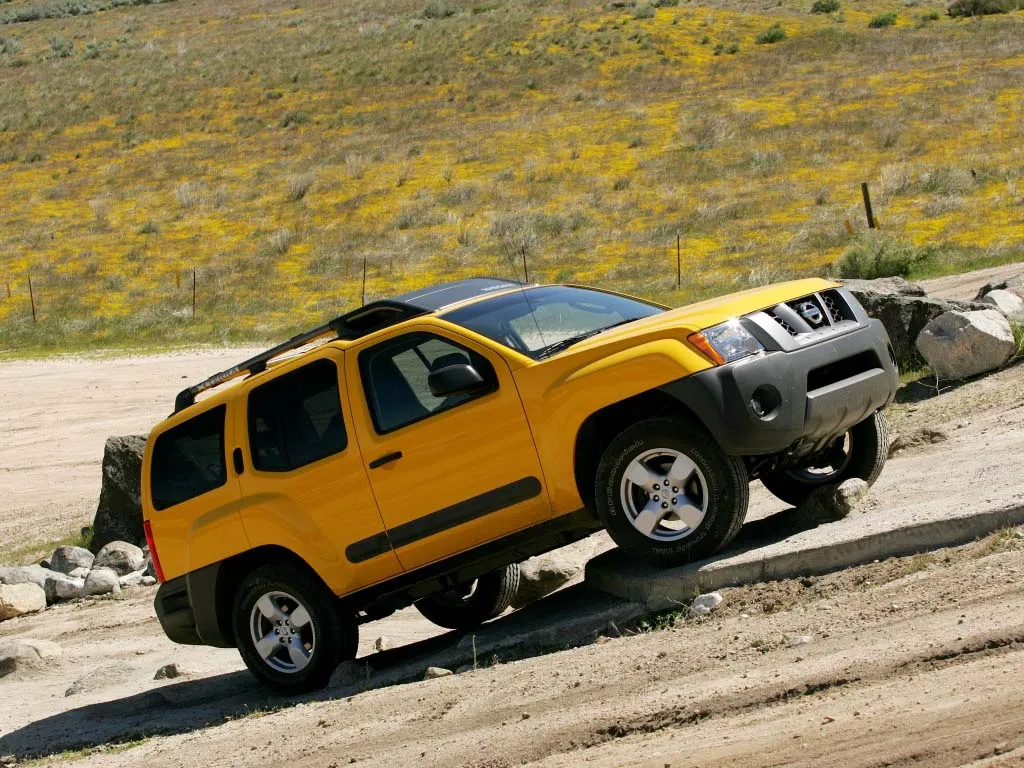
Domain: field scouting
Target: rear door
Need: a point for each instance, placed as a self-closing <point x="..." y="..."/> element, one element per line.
<point x="448" y="473"/>
<point x="304" y="486"/>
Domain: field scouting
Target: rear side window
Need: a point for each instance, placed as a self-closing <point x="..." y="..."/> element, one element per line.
<point x="295" y="419"/>
<point x="188" y="460"/>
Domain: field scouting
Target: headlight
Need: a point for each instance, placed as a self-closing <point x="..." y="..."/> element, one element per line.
<point x="726" y="342"/>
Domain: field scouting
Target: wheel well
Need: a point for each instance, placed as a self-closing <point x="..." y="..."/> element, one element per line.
<point x="234" y="570"/>
<point x="601" y="427"/>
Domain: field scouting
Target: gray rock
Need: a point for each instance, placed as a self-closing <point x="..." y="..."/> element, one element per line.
<point x="119" y="513"/>
<point x="78" y="573"/>
<point x="101" y="581"/>
<point x="120" y="556"/>
<point x="67" y="559"/>
<point x="169" y="672"/>
<point x="67" y="590"/>
<point x="347" y="674"/>
<point x="102" y="677"/>
<point x="800" y="640"/>
<point x="463" y="669"/>
<point x="958" y="345"/>
<point x="540" y="576"/>
<point x="1007" y="302"/>
<point x="19" y="599"/>
<point x="1014" y="285"/>
<point x="703" y="605"/>
<point x="131" y="580"/>
<point x="435" y="672"/>
<point x="833" y="502"/>
<point x="150" y="569"/>
<point x="147" y="581"/>
<point x="52" y="583"/>
<point x="26" y="653"/>
<point x="904" y="310"/>
<point x="914" y="438"/>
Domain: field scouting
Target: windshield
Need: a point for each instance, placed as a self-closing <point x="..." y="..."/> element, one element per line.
<point x="534" y="320"/>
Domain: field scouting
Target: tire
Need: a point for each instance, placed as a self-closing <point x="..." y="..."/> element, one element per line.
<point x="267" y="600"/>
<point x="864" y="449"/>
<point x="704" y="510"/>
<point x="473" y="603"/>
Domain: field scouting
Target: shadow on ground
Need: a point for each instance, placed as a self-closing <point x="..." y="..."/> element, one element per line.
<point x="568" y="618"/>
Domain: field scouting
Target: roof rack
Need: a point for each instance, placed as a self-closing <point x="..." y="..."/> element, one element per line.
<point x="353" y="325"/>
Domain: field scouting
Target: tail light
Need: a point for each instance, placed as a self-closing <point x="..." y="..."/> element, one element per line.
<point x="152" y="551"/>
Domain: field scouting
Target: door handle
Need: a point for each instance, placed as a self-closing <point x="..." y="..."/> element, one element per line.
<point x="236" y="457"/>
<point x="386" y="459"/>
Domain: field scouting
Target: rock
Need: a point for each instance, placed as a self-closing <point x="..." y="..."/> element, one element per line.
<point x="101" y="581"/>
<point x="381" y="644"/>
<point x="463" y="669"/>
<point x="168" y="672"/>
<point x="131" y="580"/>
<point x="703" y="605"/>
<point x="19" y="599"/>
<point x="52" y="583"/>
<point x="1014" y="285"/>
<point x="914" y="438"/>
<point x="958" y="345"/>
<point x="79" y="573"/>
<point x="540" y="576"/>
<point x="25" y="652"/>
<point x="68" y="559"/>
<point x="833" y="502"/>
<point x="1007" y="302"/>
<point x="602" y="639"/>
<point x="147" y="581"/>
<point x="435" y="672"/>
<point x="119" y="513"/>
<point x="102" y="677"/>
<point x="120" y="556"/>
<point x="150" y="570"/>
<point x="800" y="640"/>
<point x="347" y="674"/>
<point x="67" y="590"/>
<point x="904" y="310"/>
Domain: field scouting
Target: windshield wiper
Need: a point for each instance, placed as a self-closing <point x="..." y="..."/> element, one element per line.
<point x="558" y="346"/>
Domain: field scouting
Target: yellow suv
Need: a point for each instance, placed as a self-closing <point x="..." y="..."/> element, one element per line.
<point x="429" y="443"/>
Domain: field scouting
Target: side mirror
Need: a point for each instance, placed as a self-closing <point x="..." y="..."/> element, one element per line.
<point x="454" y="380"/>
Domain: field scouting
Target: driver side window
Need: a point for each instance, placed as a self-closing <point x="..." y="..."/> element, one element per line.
<point x="395" y="374"/>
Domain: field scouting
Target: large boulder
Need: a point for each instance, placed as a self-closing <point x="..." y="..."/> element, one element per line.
<point x="1007" y="302"/>
<point x="119" y="514"/>
<point x="19" y="599"/>
<point x="56" y="586"/>
<point x="68" y="559"/>
<point x="1014" y="285"/>
<point x="540" y="576"/>
<point x="24" y="653"/>
<point x="101" y="581"/>
<point x="121" y="557"/>
<point x="904" y="310"/>
<point x="957" y="345"/>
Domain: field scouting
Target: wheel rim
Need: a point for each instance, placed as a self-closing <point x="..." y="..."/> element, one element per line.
<point x="282" y="632"/>
<point x="824" y="466"/>
<point x="664" y="494"/>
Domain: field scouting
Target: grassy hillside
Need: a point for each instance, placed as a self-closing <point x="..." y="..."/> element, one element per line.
<point x="275" y="145"/>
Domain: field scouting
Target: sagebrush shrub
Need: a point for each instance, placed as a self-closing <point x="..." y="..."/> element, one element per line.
<point x="960" y="8"/>
<point x="438" y="9"/>
<point x="874" y="254"/>
<point x="773" y="34"/>
<point x="825" y="6"/>
<point x="883" y="20"/>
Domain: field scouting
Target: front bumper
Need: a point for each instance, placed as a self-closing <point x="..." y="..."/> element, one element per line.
<point x="806" y="396"/>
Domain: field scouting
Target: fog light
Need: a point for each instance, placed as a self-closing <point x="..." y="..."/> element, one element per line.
<point x="757" y="407"/>
<point x="765" y="402"/>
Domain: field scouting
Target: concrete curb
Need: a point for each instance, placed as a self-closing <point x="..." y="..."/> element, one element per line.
<point x="799" y="555"/>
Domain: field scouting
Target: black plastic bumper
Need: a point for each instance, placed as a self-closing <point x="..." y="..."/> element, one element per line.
<point x="187" y="609"/>
<point x="805" y="396"/>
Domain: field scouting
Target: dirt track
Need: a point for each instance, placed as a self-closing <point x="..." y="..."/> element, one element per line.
<point x="915" y="661"/>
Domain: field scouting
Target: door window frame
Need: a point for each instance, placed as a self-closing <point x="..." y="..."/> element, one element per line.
<point x="490" y="375"/>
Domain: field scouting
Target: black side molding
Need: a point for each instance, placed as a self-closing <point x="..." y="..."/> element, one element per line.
<point x="449" y="517"/>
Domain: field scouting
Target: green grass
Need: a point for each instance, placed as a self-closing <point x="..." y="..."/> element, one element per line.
<point x="34" y="551"/>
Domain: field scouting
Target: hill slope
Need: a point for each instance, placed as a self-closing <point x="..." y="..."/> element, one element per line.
<point x="275" y="146"/>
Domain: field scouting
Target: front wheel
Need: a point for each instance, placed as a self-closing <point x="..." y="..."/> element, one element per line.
<point x="289" y="630"/>
<point x="668" y="494"/>
<point x="473" y="602"/>
<point x="861" y="452"/>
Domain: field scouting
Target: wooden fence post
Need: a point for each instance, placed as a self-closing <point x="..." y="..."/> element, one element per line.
<point x="362" y="300"/>
<point x="32" y="298"/>
<point x="867" y="205"/>
<point x="679" y="264"/>
<point x="193" y="292"/>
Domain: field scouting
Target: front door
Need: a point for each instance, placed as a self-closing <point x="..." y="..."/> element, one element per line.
<point x="448" y="473"/>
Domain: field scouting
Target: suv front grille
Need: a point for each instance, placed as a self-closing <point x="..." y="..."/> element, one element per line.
<point x="836" y="306"/>
<point x="811" y="314"/>
<point x="785" y="326"/>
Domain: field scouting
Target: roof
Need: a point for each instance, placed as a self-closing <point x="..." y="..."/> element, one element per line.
<point x="359" y="322"/>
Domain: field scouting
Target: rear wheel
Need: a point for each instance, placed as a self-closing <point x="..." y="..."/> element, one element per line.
<point x="861" y="452"/>
<point x="289" y="630"/>
<point x="668" y="494"/>
<point x="473" y="602"/>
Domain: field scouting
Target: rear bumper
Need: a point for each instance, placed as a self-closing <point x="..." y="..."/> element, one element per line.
<point x="187" y="609"/>
<point x="807" y="395"/>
